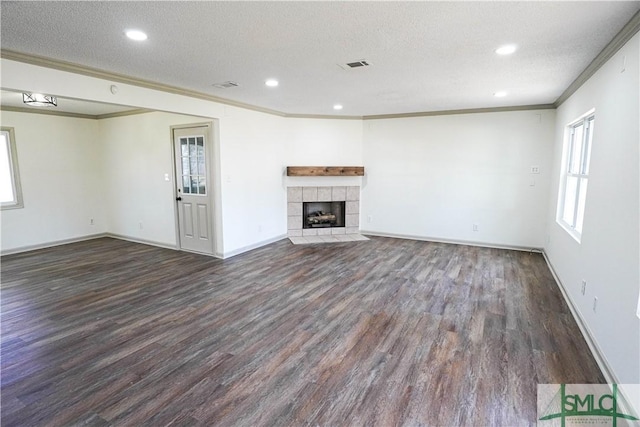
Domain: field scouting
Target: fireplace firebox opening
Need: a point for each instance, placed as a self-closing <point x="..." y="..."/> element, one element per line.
<point x="323" y="214"/>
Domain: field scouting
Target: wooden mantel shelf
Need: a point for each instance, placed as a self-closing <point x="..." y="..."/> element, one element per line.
<point x="325" y="170"/>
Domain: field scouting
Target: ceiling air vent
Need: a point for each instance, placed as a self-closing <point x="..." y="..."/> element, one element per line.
<point x="226" y="85"/>
<point x="355" y="64"/>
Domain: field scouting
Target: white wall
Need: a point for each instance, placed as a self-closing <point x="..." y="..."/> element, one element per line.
<point x="452" y="163"/>
<point x="255" y="150"/>
<point x="137" y="153"/>
<point x="434" y="177"/>
<point x="61" y="175"/>
<point x="608" y="257"/>
<point x="111" y="170"/>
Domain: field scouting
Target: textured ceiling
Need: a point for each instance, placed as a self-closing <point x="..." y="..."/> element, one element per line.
<point x="425" y="56"/>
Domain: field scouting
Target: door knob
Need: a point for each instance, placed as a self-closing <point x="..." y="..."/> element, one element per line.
<point x="178" y="198"/>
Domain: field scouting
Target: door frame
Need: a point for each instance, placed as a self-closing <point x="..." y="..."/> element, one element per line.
<point x="212" y="148"/>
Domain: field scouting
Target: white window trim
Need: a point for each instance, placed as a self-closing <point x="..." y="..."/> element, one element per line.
<point x="13" y="165"/>
<point x="564" y="174"/>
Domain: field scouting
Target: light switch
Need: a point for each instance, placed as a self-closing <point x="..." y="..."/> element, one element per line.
<point x="535" y="169"/>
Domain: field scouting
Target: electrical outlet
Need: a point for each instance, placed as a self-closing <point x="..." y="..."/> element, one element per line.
<point x="584" y="286"/>
<point x="595" y="304"/>
<point x="369" y="218"/>
<point x="259" y="228"/>
<point x="475" y="227"/>
<point x="91" y="221"/>
<point x="140" y="225"/>
<point x="535" y="169"/>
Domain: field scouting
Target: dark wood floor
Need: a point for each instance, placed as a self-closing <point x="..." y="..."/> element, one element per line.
<point x="385" y="332"/>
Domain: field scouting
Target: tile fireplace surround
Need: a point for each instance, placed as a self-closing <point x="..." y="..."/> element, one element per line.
<point x="297" y="195"/>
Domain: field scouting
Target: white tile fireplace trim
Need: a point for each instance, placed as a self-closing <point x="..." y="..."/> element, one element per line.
<point x="348" y="194"/>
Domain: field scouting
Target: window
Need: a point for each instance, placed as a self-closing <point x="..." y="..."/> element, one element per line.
<point x="194" y="173"/>
<point x="10" y="191"/>
<point x="575" y="175"/>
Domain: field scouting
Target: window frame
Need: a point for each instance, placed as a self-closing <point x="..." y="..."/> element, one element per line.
<point x="14" y="171"/>
<point x="587" y="121"/>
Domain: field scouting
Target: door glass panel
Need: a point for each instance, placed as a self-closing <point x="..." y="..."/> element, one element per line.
<point x="200" y="150"/>
<point x="185" y="185"/>
<point x="193" y="163"/>
<point x="194" y="185"/>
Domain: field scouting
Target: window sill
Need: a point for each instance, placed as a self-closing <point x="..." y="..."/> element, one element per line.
<point x="11" y="206"/>
<point x="573" y="233"/>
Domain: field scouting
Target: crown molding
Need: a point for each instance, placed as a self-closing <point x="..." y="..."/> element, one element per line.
<point x="321" y="116"/>
<point x="123" y="113"/>
<point x="70" y="67"/>
<point x="464" y="111"/>
<point x="624" y="35"/>
<point x="121" y="78"/>
<point x="73" y="115"/>
<point x="46" y="112"/>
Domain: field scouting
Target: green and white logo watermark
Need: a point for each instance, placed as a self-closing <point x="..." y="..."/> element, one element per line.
<point x="566" y="405"/>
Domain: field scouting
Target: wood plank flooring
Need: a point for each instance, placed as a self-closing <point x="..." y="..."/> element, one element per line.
<point x="379" y="333"/>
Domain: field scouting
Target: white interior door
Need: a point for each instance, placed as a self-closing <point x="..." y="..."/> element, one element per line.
<point x="193" y="195"/>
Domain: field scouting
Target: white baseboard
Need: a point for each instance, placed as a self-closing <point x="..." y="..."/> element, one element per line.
<point x="248" y="248"/>
<point x="452" y="241"/>
<point x="136" y="240"/>
<point x="29" y="248"/>
<point x="597" y="353"/>
<point x="142" y="241"/>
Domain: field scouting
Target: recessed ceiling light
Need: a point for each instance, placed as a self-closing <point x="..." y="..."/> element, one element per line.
<point x="271" y="83"/>
<point x="337" y="107"/>
<point x="136" y="35"/>
<point x="500" y="94"/>
<point x="507" y="49"/>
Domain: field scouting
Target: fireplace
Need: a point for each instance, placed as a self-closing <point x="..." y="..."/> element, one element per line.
<point x="319" y="203"/>
<point x="323" y="214"/>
